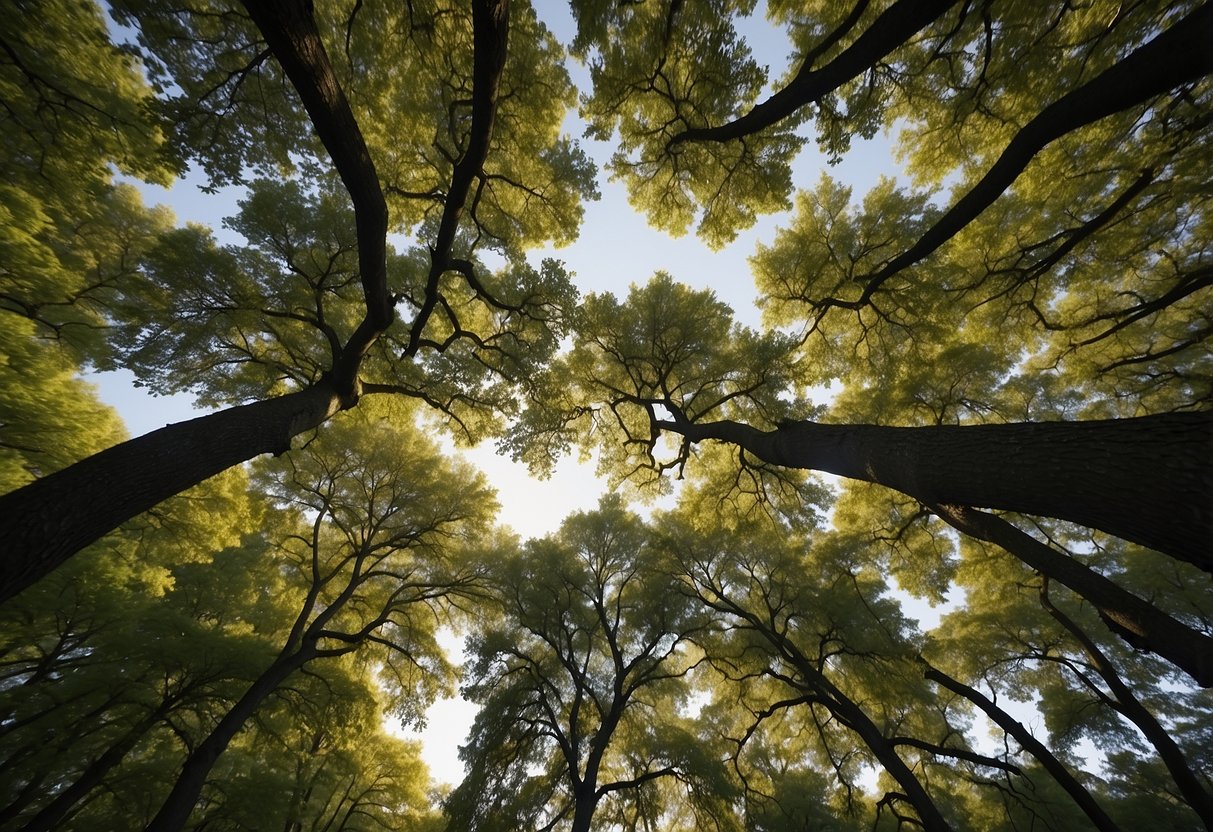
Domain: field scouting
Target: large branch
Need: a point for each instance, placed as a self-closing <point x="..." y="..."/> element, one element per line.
<point x="1145" y="479"/>
<point x="1178" y="56"/>
<point x="491" y="27"/>
<point x="1138" y="622"/>
<point x="1030" y="744"/>
<point x="958" y="754"/>
<point x="290" y="30"/>
<point x="890" y="30"/>
<point x="47" y="521"/>
<point x="636" y="782"/>
<point x="1172" y="756"/>
<point x="182" y="798"/>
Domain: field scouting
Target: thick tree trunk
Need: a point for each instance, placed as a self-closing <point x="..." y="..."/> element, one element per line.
<point x="1147" y="480"/>
<point x="47" y="521"/>
<point x="585" y="788"/>
<point x="1140" y="623"/>
<point x="583" y="811"/>
<point x="1031" y="745"/>
<point x="184" y="795"/>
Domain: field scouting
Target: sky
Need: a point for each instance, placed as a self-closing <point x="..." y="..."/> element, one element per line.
<point x="616" y="248"/>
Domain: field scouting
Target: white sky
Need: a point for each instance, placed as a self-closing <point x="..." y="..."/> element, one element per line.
<point x="616" y="247"/>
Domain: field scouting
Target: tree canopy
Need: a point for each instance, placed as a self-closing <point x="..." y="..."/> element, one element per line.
<point x="986" y="383"/>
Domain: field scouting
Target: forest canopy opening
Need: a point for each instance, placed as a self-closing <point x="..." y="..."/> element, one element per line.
<point x="205" y="626"/>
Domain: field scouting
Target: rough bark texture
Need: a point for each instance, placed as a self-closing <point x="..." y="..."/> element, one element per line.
<point x="45" y="522"/>
<point x="1147" y="479"/>
<point x="1031" y="745"/>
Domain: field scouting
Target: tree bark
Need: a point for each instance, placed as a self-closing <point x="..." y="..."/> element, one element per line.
<point x="42" y="524"/>
<point x="47" y="521"/>
<point x="1029" y="744"/>
<point x="1147" y="479"/>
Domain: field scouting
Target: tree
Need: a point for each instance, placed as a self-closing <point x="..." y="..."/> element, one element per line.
<point x="317" y="758"/>
<point x="581" y="681"/>
<point x="109" y="657"/>
<point x="1012" y="339"/>
<point x="494" y="326"/>
<point x="796" y="644"/>
<point x="1087" y="684"/>
<point x="656" y="363"/>
<point x="203" y="649"/>
<point x="869" y="285"/>
<point x="372" y="563"/>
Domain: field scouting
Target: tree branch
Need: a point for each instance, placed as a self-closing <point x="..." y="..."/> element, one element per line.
<point x="1137" y="621"/>
<point x="290" y="30"/>
<point x="890" y="30"/>
<point x="1177" y="56"/>
<point x="490" y="21"/>
<point x="1029" y="743"/>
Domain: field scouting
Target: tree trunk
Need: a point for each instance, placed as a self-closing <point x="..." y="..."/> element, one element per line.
<point x="184" y="795"/>
<point x="29" y="792"/>
<point x="1147" y="480"/>
<point x="585" y="789"/>
<point x="1029" y="744"/>
<point x="583" y="810"/>
<point x="46" y="522"/>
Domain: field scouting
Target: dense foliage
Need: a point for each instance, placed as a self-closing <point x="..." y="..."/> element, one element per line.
<point x="1002" y="354"/>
